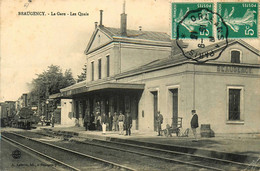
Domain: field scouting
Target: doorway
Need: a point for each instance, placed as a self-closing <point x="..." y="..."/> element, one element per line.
<point x="155" y="108"/>
<point x="174" y="107"/>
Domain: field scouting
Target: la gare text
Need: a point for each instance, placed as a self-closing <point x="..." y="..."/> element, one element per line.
<point x="43" y="13"/>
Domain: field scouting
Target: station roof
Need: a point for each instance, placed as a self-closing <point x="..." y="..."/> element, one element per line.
<point x="138" y="34"/>
<point x="100" y="86"/>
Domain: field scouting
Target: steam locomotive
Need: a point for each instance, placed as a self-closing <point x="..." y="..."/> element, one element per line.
<point x="25" y="119"/>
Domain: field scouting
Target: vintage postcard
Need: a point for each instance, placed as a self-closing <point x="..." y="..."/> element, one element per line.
<point x="129" y="85"/>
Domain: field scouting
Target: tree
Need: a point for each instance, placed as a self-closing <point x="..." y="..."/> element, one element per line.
<point x="51" y="81"/>
<point x="83" y="75"/>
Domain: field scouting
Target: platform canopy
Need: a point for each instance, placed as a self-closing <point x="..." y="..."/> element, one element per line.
<point x="72" y="91"/>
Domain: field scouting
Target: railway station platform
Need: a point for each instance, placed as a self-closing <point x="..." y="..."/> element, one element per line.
<point x="240" y="145"/>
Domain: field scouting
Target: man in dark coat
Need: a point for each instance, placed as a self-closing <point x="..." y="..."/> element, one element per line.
<point x="194" y="123"/>
<point x="52" y="120"/>
<point x="128" y="124"/>
<point x="159" y="121"/>
<point x="86" y="121"/>
<point x="110" y="121"/>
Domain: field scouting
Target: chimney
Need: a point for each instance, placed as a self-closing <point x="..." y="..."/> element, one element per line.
<point x="96" y="23"/>
<point x="123" y="22"/>
<point x="101" y="18"/>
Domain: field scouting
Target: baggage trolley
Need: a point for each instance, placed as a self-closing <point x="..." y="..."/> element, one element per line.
<point x="175" y="128"/>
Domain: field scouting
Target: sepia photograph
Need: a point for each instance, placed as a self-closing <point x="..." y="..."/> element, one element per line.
<point x="136" y="85"/>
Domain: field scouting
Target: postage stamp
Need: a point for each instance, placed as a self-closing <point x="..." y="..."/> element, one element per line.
<point x="240" y="17"/>
<point x="207" y="37"/>
<point x="179" y="10"/>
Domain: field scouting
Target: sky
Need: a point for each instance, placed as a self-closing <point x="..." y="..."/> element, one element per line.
<point x="29" y="44"/>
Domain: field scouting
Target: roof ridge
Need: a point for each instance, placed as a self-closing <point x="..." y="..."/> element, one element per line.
<point x="107" y="30"/>
<point x="138" y="30"/>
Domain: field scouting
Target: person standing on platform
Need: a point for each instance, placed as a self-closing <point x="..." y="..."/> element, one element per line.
<point x="42" y="119"/>
<point x="86" y="121"/>
<point x="128" y="123"/>
<point x="110" y="121"/>
<point x="159" y="121"/>
<point x="121" y="120"/>
<point x="99" y="128"/>
<point x="52" y="120"/>
<point x="115" y="122"/>
<point x="194" y="123"/>
<point x="103" y="123"/>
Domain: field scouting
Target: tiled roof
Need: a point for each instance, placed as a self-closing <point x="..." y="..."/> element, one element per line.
<point x="137" y="34"/>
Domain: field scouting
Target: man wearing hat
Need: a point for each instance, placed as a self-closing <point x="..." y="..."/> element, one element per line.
<point x="194" y="123"/>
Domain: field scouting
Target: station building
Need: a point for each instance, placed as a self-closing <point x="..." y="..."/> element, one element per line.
<point x="141" y="72"/>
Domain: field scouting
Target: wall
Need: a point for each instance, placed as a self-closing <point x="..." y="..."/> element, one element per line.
<point x="133" y="55"/>
<point x="206" y="91"/>
<point x="100" y="39"/>
<point x="123" y="57"/>
<point x="212" y="100"/>
<point x="101" y="54"/>
<point x="161" y="81"/>
<point x="66" y="112"/>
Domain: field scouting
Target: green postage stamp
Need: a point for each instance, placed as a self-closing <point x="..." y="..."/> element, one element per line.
<point x="240" y="17"/>
<point x="187" y="25"/>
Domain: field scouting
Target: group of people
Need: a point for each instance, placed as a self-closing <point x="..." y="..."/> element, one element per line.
<point x="111" y="122"/>
<point x="121" y="122"/>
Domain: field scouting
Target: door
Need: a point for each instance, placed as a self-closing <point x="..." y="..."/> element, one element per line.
<point x="155" y="109"/>
<point x="174" y="107"/>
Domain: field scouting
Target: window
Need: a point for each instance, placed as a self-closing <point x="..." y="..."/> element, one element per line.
<point x="235" y="56"/>
<point x="92" y="71"/>
<point x="234" y="104"/>
<point x="108" y="66"/>
<point x="99" y="68"/>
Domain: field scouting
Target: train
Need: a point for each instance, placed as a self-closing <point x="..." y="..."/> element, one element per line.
<point x="25" y="119"/>
<point x="23" y="114"/>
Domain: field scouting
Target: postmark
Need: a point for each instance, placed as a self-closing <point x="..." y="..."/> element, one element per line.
<point x="206" y="37"/>
<point x="240" y="17"/>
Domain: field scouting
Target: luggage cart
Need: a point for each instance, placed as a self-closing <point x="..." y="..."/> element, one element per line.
<point x="175" y="128"/>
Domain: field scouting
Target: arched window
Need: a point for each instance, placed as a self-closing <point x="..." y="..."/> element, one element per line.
<point x="235" y="56"/>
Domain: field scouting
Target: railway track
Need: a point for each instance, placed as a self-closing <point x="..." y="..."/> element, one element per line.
<point x="174" y="156"/>
<point x="67" y="158"/>
<point x="195" y="161"/>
